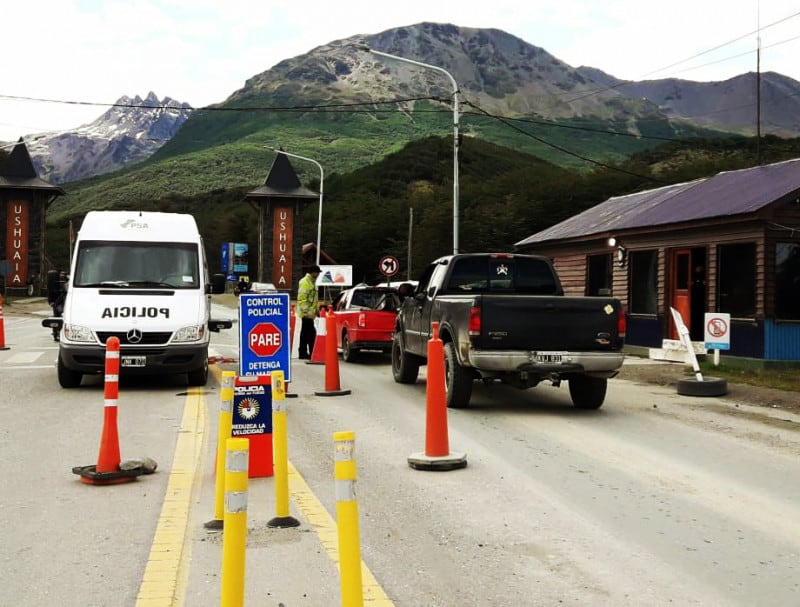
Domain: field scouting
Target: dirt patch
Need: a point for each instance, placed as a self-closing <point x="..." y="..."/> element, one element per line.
<point x="669" y="374"/>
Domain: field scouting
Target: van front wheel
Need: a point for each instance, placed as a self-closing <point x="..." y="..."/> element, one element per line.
<point x="198" y="377"/>
<point x="67" y="378"/>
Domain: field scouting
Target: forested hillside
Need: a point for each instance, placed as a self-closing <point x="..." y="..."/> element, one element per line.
<point x="504" y="197"/>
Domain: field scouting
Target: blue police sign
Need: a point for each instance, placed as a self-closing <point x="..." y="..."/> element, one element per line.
<point x="264" y="337"/>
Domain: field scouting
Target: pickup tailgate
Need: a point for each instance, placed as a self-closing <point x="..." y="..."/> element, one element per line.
<point x="553" y="323"/>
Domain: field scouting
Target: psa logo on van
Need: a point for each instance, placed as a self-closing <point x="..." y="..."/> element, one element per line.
<point x="132" y="223"/>
<point x="134" y="312"/>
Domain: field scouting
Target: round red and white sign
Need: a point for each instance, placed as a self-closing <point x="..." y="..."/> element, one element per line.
<point x="388" y="265"/>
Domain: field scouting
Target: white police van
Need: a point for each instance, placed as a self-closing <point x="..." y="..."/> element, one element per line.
<point x="141" y="277"/>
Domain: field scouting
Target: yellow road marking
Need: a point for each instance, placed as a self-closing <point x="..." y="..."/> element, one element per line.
<point x="325" y="528"/>
<point x="167" y="569"/>
<point x="164" y="580"/>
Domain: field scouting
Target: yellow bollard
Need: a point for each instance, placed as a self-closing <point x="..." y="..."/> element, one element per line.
<point x="234" y="538"/>
<point x="344" y="474"/>
<point x="280" y="450"/>
<point x="223" y="434"/>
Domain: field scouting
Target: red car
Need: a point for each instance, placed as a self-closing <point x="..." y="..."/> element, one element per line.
<point x="365" y="319"/>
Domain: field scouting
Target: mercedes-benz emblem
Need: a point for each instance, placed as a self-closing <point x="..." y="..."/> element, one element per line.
<point x="134" y="336"/>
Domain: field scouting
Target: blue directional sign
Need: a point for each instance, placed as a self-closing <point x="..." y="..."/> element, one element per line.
<point x="264" y="334"/>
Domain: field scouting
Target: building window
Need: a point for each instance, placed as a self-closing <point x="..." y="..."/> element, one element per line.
<point x="737" y="279"/>
<point x="643" y="283"/>
<point x="599" y="274"/>
<point x="787" y="281"/>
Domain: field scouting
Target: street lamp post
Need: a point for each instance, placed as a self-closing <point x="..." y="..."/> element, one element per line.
<point x="321" y="181"/>
<point x="455" y="129"/>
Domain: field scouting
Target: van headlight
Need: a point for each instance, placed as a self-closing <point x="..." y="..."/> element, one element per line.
<point x="191" y="333"/>
<point x="78" y="333"/>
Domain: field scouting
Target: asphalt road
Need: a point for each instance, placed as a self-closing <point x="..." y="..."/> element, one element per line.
<point x="655" y="499"/>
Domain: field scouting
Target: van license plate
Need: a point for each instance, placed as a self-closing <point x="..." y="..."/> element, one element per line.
<point x="548" y="357"/>
<point x="133" y="361"/>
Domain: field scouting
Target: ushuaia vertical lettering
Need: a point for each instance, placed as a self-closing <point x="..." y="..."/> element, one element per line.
<point x="282" y="226"/>
<point x="17" y="241"/>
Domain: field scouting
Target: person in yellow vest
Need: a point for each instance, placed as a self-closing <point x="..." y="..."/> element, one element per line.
<point x="307" y="310"/>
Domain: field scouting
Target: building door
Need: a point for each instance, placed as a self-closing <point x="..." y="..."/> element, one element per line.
<point x="680" y="288"/>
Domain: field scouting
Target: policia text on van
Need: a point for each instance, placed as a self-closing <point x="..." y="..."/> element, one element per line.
<point x="143" y="278"/>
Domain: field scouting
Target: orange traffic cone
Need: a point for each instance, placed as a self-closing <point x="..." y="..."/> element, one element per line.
<point x="437" y="454"/>
<point x="2" y="328"/>
<point x="332" y="387"/>
<point x="318" y="351"/>
<point x="107" y="470"/>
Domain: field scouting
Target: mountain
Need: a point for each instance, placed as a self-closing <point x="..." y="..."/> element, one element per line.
<point x="729" y="105"/>
<point x="495" y="72"/>
<point x="130" y="131"/>
<point x="344" y="108"/>
<point x="505" y="75"/>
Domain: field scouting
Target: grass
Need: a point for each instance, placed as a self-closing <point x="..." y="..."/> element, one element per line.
<point x="754" y="374"/>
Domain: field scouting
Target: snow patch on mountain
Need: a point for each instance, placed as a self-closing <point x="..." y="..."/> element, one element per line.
<point x="128" y="132"/>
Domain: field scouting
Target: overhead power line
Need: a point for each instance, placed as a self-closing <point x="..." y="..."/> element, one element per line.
<point x="627" y="82"/>
<point x="724" y="44"/>
<point x="563" y="149"/>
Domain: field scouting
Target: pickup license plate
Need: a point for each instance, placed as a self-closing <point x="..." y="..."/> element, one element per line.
<point x="548" y="357"/>
<point x="133" y="361"/>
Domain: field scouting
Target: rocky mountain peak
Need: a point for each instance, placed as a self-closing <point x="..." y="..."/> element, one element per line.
<point x="128" y="132"/>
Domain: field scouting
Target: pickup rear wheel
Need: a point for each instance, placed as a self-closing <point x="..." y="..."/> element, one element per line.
<point x="348" y="352"/>
<point x="587" y="392"/>
<point x="405" y="366"/>
<point x="458" y="379"/>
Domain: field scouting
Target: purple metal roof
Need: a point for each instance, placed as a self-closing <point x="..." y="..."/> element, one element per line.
<point x="730" y="193"/>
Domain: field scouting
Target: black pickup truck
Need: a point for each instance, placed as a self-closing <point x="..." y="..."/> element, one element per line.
<point x="505" y="317"/>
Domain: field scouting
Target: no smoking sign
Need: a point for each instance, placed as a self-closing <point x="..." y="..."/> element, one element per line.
<point x="717" y="331"/>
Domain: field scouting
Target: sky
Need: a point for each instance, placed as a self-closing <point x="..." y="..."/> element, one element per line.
<point x="201" y="51"/>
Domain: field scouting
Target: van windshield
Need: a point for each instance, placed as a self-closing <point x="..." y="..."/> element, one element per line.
<point x="136" y="265"/>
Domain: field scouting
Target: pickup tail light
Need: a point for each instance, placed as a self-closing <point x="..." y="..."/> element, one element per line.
<point x="474" y="326"/>
<point x="622" y="324"/>
<point x="362" y="320"/>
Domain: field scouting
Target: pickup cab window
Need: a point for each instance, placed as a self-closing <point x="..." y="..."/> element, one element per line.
<point x="506" y="274"/>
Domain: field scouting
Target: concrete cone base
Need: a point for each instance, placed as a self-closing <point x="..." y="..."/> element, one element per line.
<point x="333" y="392"/>
<point x="451" y="461"/>
<point x="283" y="522"/>
<point x="90" y="476"/>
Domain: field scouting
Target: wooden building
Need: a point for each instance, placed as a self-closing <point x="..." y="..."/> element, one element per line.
<point x="728" y="243"/>
<point x="24" y="200"/>
<point x="279" y="204"/>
